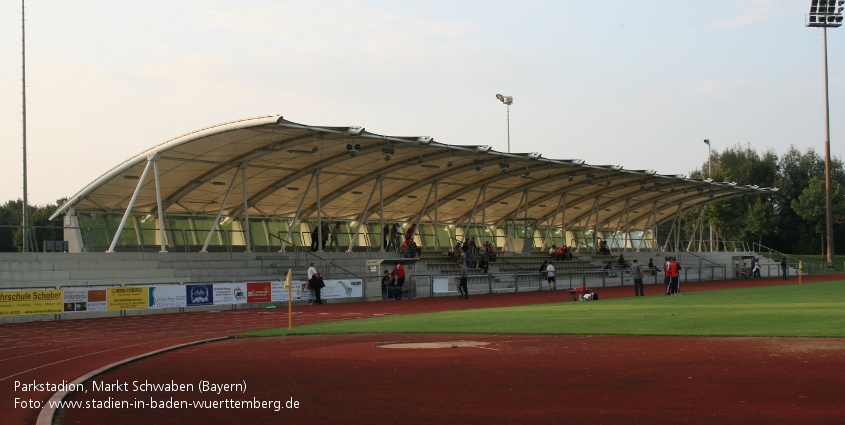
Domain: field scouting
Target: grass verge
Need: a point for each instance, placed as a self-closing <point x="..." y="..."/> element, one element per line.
<point x="809" y="310"/>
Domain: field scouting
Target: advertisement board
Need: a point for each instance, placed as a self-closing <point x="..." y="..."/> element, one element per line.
<point x="37" y="301"/>
<point x="128" y="298"/>
<point x="230" y="293"/>
<point x="259" y="292"/>
<point x="342" y="288"/>
<point x="197" y="295"/>
<point x="279" y="293"/>
<point x="77" y="300"/>
<point x="164" y="296"/>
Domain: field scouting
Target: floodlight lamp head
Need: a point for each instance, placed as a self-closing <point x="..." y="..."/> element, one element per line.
<point x="535" y="155"/>
<point x="616" y="167"/>
<point x="652" y="172"/>
<point x="707" y="142"/>
<point x="478" y="165"/>
<point x="507" y="100"/>
<point x="354" y="131"/>
<point x="578" y="161"/>
<point x="424" y="140"/>
<point x="483" y="148"/>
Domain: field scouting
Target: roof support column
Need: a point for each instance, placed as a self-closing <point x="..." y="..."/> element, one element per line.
<point x="220" y="212"/>
<point x="472" y="214"/>
<point x="363" y="221"/>
<point x="436" y="216"/>
<point x="422" y="213"/>
<point x="619" y="223"/>
<point x="672" y="229"/>
<point x="694" y="228"/>
<point x="627" y="225"/>
<point x="552" y="225"/>
<point x="484" y="216"/>
<point x="295" y="221"/>
<point x="246" y="209"/>
<point x="654" y="238"/>
<point x="384" y="237"/>
<point x="509" y="235"/>
<point x="161" y="216"/>
<point x="587" y="225"/>
<point x="563" y="222"/>
<point x="319" y="214"/>
<point x="131" y="203"/>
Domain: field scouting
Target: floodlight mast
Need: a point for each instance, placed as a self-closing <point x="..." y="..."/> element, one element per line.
<point x="508" y="101"/>
<point x="25" y="206"/>
<point x="824" y="14"/>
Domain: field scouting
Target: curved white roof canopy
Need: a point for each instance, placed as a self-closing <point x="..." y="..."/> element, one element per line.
<point x="280" y="157"/>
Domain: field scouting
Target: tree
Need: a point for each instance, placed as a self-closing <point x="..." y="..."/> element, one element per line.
<point x="11" y="216"/>
<point x="811" y="205"/>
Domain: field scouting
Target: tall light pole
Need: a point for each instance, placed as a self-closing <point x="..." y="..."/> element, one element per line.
<point x="826" y="14"/>
<point x="23" y="113"/>
<point x="709" y="176"/>
<point x="508" y="101"/>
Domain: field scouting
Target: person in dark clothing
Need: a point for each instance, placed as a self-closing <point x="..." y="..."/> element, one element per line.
<point x="784" y="268"/>
<point x="316" y="282"/>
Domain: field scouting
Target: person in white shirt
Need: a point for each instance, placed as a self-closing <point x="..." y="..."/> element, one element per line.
<point x="316" y="282"/>
<point x="550" y="275"/>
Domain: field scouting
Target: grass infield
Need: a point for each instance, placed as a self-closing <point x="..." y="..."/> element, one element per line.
<point x="809" y="310"/>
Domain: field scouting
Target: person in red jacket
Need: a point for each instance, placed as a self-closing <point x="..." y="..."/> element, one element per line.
<point x="399" y="273"/>
<point x="672" y="271"/>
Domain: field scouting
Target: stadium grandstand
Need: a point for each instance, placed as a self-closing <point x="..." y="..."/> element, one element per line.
<point x="241" y="201"/>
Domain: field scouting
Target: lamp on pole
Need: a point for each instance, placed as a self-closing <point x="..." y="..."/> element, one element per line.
<point x="508" y="101"/>
<point x="826" y="14"/>
<point x="709" y="176"/>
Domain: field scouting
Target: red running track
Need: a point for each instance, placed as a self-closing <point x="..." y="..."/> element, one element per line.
<point x="57" y="351"/>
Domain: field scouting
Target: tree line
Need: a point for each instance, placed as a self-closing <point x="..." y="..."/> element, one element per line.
<point x="791" y="220"/>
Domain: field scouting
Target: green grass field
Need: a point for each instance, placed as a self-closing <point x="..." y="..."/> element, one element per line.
<point x="810" y="310"/>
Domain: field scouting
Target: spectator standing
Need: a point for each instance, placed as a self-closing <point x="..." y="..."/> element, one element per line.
<point x="387" y="236"/>
<point x="672" y="271"/>
<point x="784" y="268"/>
<point x="399" y="273"/>
<point x="315" y="237"/>
<point x="397" y="236"/>
<point x="324" y="229"/>
<point x="757" y="268"/>
<point x="334" y="243"/>
<point x="550" y="276"/>
<point x="316" y="282"/>
<point x="637" y="274"/>
<point x="463" y="292"/>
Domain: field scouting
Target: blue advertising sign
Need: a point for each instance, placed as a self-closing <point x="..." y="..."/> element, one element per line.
<point x="199" y="294"/>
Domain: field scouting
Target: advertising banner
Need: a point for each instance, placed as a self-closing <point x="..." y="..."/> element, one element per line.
<point x="279" y="293"/>
<point x="84" y="299"/>
<point x="21" y="303"/>
<point x="258" y="292"/>
<point x="164" y="296"/>
<point x="342" y="288"/>
<point x="230" y="293"/>
<point x="128" y="297"/>
<point x="199" y="295"/>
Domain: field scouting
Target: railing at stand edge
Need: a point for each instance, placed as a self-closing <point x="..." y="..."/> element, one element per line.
<point x="701" y="264"/>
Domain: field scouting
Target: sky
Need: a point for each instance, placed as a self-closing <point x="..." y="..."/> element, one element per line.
<point x="635" y="83"/>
